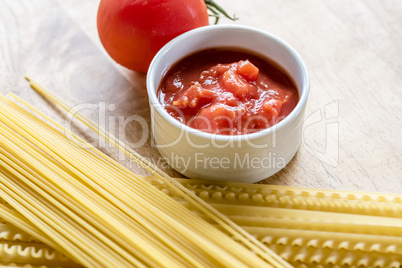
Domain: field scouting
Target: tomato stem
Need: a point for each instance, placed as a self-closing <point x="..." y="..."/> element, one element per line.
<point x="217" y="11"/>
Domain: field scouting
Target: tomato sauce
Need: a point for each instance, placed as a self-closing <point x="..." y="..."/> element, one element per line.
<point x="228" y="92"/>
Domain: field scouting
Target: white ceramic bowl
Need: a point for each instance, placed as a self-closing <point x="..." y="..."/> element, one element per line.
<point x="244" y="158"/>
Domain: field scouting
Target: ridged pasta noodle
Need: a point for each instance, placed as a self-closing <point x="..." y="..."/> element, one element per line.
<point x="18" y="247"/>
<point x="311" y="226"/>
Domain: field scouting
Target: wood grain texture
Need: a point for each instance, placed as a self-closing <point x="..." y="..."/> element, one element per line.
<point x="352" y="131"/>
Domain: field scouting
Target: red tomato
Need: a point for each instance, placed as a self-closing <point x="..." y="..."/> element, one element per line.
<point x="132" y="31"/>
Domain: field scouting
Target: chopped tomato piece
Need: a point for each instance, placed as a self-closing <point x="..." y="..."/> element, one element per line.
<point x="217" y="118"/>
<point x="247" y="70"/>
<point x="272" y="109"/>
<point x="235" y="84"/>
<point x="192" y="96"/>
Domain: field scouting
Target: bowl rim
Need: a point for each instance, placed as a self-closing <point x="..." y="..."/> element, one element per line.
<point x="153" y="98"/>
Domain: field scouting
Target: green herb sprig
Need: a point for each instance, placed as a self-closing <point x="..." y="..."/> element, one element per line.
<point x="217" y="11"/>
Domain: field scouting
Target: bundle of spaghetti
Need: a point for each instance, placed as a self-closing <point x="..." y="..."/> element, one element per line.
<point x="103" y="215"/>
<point x="225" y="224"/>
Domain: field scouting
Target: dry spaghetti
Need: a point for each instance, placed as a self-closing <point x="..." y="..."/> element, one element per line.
<point x="103" y="215"/>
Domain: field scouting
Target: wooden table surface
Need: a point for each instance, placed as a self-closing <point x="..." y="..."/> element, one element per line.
<point x="353" y="49"/>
